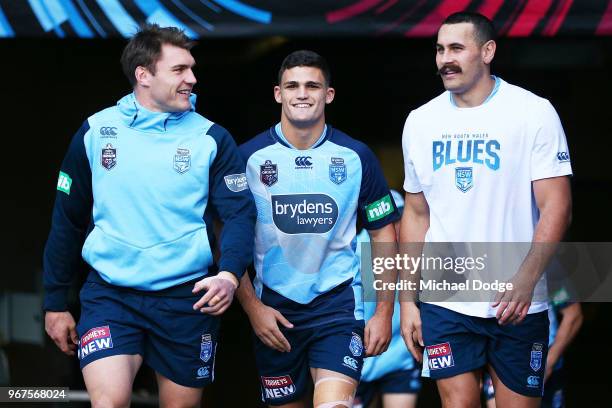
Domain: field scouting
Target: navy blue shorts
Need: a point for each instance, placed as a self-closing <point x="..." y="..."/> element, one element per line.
<point x="456" y="343"/>
<point x="172" y="338"/>
<point x="553" y="390"/>
<point x="285" y="377"/>
<point x="397" y="382"/>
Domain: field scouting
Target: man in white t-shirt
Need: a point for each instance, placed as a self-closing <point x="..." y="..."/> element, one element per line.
<point x="486" y="161"/>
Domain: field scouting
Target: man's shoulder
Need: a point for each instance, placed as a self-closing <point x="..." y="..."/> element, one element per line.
<point x="107" y="114"/>
<point x="342" y="139"/>
<point x="256" y="143"/>
<point x="524" y="97"/>
<point x="432" y="107"/>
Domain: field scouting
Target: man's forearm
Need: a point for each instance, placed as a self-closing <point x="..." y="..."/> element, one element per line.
<point x="246" y="294"/>
<point x="384" y="246"/>
<point x="412" y="236"/>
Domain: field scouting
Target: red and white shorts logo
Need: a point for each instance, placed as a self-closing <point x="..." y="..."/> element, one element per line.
<point x="277" y="387"/>
<point x="96" y="339"/>
<point x="439" y="356"/>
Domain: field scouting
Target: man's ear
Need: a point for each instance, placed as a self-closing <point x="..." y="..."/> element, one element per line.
<point x="143" y="76"/>
<point x="488" y="51"/>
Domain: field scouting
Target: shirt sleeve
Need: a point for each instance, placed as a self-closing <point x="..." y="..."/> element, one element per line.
<point x="69" y="224"/>
<point x="411" y="181"/>
<point x="376" y="205"/>
<point x="550" y="154"/>
<point x="233" y="203"/>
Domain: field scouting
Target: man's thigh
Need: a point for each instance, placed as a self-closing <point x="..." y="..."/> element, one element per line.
<point x="106" y="326"/>
<point x="453" y="345"/>
<point x="338" y="347"/>
<point x="518" y="354"/>
<point x="284" y="377"/>
<point x="181" y="343"/>
<point x="109" y="380"/>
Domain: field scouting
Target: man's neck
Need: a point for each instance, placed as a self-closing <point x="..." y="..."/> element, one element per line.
<point x="302" y="138"/>
<point x="145" y="101"/>
<point x="477" y="94"/>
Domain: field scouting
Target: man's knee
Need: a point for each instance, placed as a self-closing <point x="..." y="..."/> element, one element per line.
<point x="110" y="401"/>
<point x="334" y="392"/>
<point x="460" y="391"/>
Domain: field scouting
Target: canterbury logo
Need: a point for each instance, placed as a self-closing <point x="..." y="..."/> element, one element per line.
<point x="108" y="131"/>
<point x="303" y="161"/>
<point x="563" y="156"/>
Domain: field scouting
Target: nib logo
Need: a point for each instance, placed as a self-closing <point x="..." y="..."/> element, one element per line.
<point x="64" y="182"/>
<point x="379" y="209"/>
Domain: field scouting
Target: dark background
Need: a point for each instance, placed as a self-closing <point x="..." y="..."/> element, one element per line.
<point x="49" y="87"/>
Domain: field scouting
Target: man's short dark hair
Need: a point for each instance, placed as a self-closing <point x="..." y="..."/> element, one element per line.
<point x="483" y="27"/>
<point x="145" y="47"/>
<point x="305" y="58"/>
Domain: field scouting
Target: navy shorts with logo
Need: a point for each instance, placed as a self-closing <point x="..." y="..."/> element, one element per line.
<point x="172" y="338"/>
<point x="456" y="343"/>
<point x="396" y="382"/>
<point x="335" y="346"/>
<point x="553" y="390"/>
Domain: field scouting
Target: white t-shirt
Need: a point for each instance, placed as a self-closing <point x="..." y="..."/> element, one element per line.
<point x="475" y="167"/>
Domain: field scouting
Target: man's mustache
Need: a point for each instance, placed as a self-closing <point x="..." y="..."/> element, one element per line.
<point x="449" y="67"/>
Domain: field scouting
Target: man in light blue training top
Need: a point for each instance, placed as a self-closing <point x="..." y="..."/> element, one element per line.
<point x="311" y="182"/>
<point x="394" y="375"/>
<point x="139" y="186"/>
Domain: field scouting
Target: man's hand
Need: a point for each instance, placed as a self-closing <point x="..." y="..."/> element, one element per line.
<point x="264" y="320"/>
<point x="219" y="293"/>
<point x="514" y="304"/>
<point x="377" y="334"/>
<point x="60" y="326"/>
<point x="411" y="329"/>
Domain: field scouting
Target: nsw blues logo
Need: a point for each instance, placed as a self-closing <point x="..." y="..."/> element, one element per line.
<point x="536" y="357"/>
<point x="206" y="348"/>
<point x="268" y="173"/>
<point x="337" y="170"/>
<point x="464" y="178"/>
<point x="356" y="346"/>
<point x="182" y="160"/>
<point x="109" y="157"/>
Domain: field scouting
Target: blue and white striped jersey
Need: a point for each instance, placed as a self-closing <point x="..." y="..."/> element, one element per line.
<point x="308" y="202"/>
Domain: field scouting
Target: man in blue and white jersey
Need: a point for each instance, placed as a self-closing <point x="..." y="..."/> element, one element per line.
<point x="394" y="375"/>
<point x="486" y="161"/>
<point x="137" y="193"/>
<point x="311" y="182"/>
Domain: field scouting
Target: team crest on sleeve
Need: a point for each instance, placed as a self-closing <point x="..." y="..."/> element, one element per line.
<point x="96" y="339"/>
<point x="464" y="178"/>
<point x="356" y="346"/>
<point x="439" y="356"/>
<point x="182" y="160"/>
<point x="109" y="157"/>
<point x="206" y="348"/>
<point x="337" y="170"/>
<point x="268" y="173"/>
<point x="536" y="356"/>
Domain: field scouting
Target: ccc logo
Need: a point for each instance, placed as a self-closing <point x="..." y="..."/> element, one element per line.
<point x="108" y="131"/>
<point x="563" y="156"/>
<point x="303" y="161"/>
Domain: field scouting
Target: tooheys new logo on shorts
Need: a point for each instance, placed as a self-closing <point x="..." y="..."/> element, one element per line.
<point x="304" y="213"/>
<point x="379" y="208"/>
<point x="440" y="356"/>
<point x="278" y="387"/>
